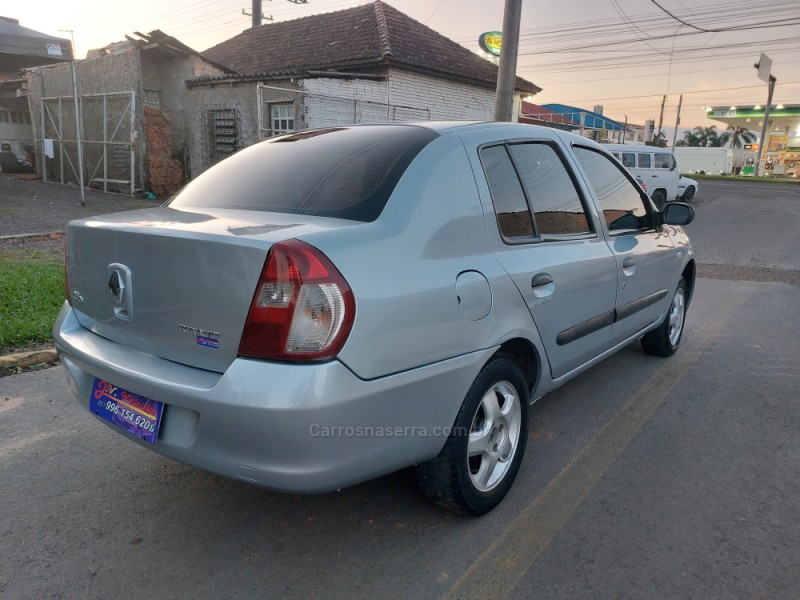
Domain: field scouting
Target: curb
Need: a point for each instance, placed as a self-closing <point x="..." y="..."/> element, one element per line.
<point x="23" y="236"/>
<point x="11" y="362"/>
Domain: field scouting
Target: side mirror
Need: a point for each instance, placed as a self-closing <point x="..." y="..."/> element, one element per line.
<point x="678" y="213"/>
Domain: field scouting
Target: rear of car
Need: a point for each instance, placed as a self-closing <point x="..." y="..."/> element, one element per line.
<point x="213" y="329"/>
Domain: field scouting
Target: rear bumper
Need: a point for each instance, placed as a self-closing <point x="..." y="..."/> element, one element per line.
<point x="296" y="428"/>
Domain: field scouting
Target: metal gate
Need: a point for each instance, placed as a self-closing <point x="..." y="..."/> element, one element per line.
<point x="108" y="135"/>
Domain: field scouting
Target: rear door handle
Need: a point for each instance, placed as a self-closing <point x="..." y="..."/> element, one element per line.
<point x="541" y="279"/>
<point x="628" y="263"/>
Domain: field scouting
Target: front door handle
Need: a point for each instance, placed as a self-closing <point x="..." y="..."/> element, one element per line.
<point x="628" y="263"/>
<point x="541" y="279"/>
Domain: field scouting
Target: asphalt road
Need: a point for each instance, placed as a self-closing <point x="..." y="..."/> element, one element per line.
<point x="644" y="478"/>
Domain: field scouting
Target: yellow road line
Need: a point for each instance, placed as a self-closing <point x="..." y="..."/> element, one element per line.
<point x="503" y="564"/>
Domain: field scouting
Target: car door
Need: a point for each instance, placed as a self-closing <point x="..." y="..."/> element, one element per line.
<point x="644" y="253"/>
<point x="667" y="174"/>
<point x="551" y="248"/>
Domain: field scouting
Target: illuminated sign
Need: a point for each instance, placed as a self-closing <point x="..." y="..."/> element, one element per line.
<point x="725" y="113"/>
<point x="491" y="42"/>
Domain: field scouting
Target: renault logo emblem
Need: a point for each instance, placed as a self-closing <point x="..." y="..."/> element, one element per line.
<point x="117" y="286"/>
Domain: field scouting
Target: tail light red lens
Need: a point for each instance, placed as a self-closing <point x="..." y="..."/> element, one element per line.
<point x="302" y="310"/>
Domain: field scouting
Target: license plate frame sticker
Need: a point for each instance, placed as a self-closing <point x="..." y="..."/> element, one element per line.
<point x="138" y="415"/>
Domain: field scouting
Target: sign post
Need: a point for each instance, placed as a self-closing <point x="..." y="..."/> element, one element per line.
<point x="764" y="66"/>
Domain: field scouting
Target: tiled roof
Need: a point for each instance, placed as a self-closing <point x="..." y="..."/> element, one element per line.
<point x="371" y="35"/>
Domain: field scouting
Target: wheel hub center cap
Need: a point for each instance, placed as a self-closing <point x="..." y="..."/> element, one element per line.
<point x="499" y="441"/>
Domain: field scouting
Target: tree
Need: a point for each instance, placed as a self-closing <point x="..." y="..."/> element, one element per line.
<point x="706" y="136"/>
<point x="689" y="139"/>
<point x="737" y="136"/>
<point x="660" y="140"/>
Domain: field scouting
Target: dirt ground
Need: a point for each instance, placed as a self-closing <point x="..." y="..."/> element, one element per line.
<point x="32" y="206"/>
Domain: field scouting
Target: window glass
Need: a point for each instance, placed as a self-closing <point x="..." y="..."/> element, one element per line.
<point x="618" y="198"/>
<point x="644" y="161"/>
<point x="629" y="160"/>
<point x="513" y="215"/>
<point x="341" y="172"/>
<point x="556" y="205"/>
<point x="661" y="161"/>
<point x="282" y="118"/>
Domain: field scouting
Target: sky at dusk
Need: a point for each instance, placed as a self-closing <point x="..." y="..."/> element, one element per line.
<point x="622" y="54"/>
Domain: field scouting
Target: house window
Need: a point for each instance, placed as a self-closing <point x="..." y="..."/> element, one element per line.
<point x="16" y="116"/>
<point x="3" y="116"/>
<point x="282" y="118"/>
<point x="224" y="130"/>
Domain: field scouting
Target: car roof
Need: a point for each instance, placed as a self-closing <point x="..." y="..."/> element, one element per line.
<point x="504" y="130"/>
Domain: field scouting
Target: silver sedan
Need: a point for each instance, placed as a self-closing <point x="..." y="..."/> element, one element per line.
<point x="332" y="305"/>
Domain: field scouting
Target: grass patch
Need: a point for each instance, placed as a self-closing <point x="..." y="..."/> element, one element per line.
<point x="740" y="179"/>
<point x="31" y="294"/>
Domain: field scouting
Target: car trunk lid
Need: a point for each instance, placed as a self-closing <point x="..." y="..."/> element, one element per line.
<point x="172" y="283"/>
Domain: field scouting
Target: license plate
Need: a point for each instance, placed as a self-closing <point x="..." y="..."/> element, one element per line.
<point x="135" y="414"/>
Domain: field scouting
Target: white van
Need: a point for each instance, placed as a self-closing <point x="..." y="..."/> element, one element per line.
<point x="655" y="166"/>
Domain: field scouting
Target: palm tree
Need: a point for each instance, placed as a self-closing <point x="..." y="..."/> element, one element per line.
<point x="689" y="139"/>
<point x="706" y="136"/>
<point x="737" y="136"/>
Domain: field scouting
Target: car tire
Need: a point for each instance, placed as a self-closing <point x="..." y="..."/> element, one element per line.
<point x="665" y="339"/>
<point x="688" y="194"/>
<point x="659" y="199"/>
<point x="480" y="460"/>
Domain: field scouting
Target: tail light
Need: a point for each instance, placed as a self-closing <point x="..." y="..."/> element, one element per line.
<point x="66" y="274"/>
<point x="302" y="310"/>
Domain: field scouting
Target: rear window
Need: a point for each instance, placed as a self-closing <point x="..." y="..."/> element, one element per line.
<point x="341" y="172"/>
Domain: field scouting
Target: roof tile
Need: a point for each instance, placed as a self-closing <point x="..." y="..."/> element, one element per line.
<point x="371" y="35"/>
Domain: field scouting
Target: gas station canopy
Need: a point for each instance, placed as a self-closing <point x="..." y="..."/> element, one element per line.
<point x="784" y="120"/>
<point x="781" y="149"/>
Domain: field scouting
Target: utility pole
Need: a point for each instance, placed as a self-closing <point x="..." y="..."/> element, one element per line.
<point x="660" y="118"/>
<point x="677" y="122"/>
<point x="764" y="66"/>
<point x="507" y="72"/>
<point x="257" y="15"/>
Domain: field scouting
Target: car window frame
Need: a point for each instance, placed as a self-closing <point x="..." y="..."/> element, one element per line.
<point x="648" y="205"/>
<point x="537" y="237"/>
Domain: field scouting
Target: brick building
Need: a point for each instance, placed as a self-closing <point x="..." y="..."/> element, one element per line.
<point x="366" y="64"/>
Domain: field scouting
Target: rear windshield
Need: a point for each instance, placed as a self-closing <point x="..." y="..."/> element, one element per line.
<point x="342" y="172"/>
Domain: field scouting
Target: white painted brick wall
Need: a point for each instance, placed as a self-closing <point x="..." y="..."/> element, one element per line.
<point x="438" y="98"/>
<point x="445" y="99"/>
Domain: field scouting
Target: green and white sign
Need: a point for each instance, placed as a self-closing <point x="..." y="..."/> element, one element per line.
<point x="491" y="42"/>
